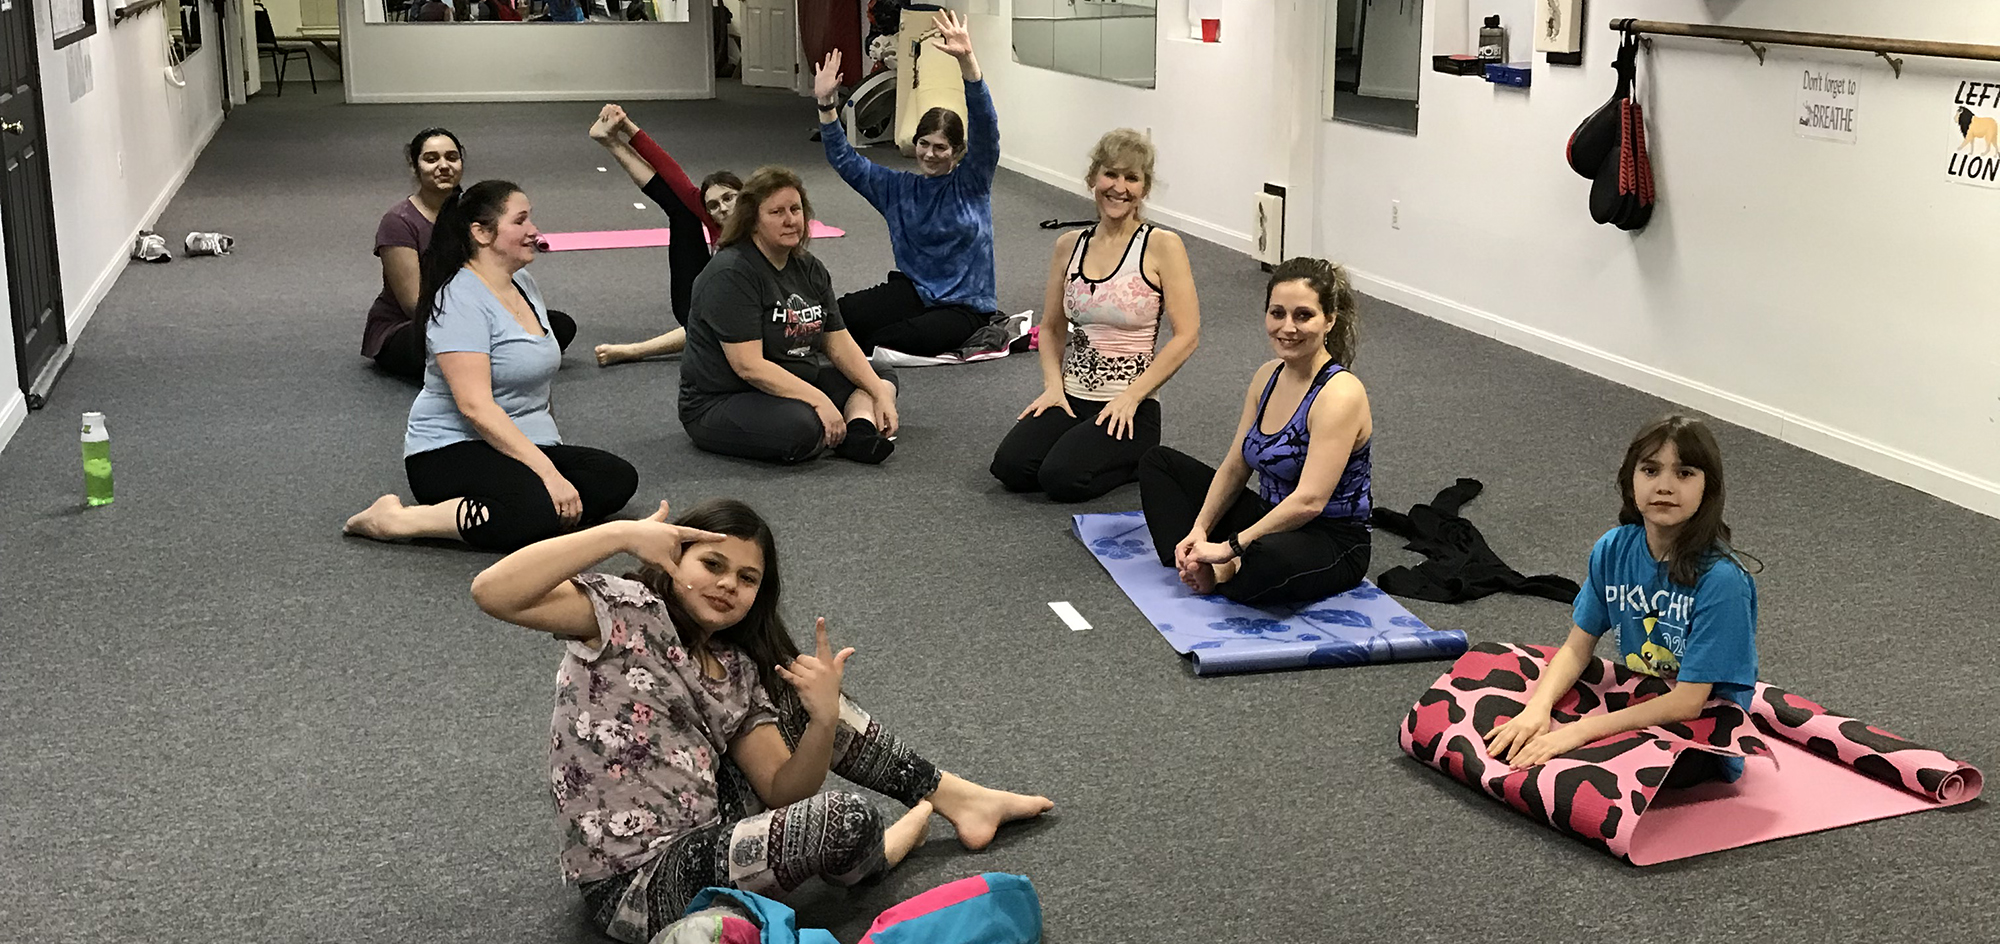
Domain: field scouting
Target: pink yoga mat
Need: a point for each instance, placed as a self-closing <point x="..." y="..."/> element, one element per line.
<point x="643" y="238"/>
<point x="1806" y="769"/>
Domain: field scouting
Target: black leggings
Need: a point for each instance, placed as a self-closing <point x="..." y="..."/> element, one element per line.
<point x="767" y="428"/>
<point x="894" y="316"/>
<point x="836" y="835"/>
<point x="402" y="353"/>
<point x="1323" y="557"/>
<point x="1074" y="459"/>
<point x="687" y="245"/>
<point x="506" y="505"/>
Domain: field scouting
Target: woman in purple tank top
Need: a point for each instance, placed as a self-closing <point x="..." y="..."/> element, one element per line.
<point x="1302" y="535"/>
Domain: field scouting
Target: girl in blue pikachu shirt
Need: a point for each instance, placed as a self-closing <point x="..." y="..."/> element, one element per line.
<point x="1682" y="603"/>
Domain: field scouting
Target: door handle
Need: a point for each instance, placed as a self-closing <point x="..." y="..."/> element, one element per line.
<point x="12" y="127"/>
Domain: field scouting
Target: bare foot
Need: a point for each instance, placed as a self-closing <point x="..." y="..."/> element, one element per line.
<point x="908" y="833"/>
<point x="978" y="812"/>
<point x="609" y="354"/>
<point x="373" y="521"/>
<point x="1200" y="578"/>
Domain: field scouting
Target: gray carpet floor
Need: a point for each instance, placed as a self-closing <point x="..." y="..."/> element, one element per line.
<point x="231" y="724"/>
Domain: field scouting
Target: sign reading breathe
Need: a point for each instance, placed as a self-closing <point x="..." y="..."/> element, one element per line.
<point x="1829" y="99"/>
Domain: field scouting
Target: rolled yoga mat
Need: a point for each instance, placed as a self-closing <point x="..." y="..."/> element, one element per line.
<point x="643" y="238"/>
<point x="1360" y="626"/>
<point x="1824" y="770"/>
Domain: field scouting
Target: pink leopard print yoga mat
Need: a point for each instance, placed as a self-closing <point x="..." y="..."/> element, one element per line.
<point x="1602" y="792"/>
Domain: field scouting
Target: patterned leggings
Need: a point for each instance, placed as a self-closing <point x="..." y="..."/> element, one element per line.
<point x="836" y="835"/>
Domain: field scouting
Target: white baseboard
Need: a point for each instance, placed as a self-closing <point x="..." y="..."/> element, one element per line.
<point x="1187" y="225"/>
<point x="1952" y="485"/>
<point x="13" y="413"/>
<point x="81" y="313"/>
<point x="566" y="95"/>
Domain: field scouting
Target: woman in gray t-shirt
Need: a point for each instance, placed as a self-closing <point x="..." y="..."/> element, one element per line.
<point x="770" y="372"/>
<point x="481" y="449"/>
<point x="691" y="738"/>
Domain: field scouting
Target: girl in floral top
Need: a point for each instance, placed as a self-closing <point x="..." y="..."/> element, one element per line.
<point x="691" y="737"/>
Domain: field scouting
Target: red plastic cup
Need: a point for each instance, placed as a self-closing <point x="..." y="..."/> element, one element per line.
<point x="1211" y="31"/>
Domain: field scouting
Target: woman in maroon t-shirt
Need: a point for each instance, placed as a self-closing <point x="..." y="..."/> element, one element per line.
<point x="396" y="345"/>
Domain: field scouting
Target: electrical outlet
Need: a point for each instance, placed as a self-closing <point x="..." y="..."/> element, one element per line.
<point x="1395" y="214"/>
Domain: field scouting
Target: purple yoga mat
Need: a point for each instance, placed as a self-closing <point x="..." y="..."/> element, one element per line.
<point x="642" y="238"/>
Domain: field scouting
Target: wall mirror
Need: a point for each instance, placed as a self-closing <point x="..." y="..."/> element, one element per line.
<point x="1104" y="39"/>
<point x="1378" y="50"/>
<point x="183" y="30"/>
<point x="525" y="11"/>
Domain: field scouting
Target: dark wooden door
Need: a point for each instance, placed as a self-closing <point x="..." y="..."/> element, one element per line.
<point x="27" y="207"/>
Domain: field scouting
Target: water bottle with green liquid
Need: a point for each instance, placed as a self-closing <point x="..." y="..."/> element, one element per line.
<point x="96" y="460"/>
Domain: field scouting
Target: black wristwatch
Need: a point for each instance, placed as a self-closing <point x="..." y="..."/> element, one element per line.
<point x="1235" y="547"/>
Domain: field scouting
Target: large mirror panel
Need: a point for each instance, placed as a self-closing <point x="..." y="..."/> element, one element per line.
<point x="1104" y="39"/>
<point x="526" y="11"/>
<point x="1377" y="62"/>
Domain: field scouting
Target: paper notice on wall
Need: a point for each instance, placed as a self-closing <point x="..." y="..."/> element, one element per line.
<point x="1975" y="138"/>
<point x="1829" y="100"/>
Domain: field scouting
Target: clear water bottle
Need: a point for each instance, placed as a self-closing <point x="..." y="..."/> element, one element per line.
<point x="96" y="460"/>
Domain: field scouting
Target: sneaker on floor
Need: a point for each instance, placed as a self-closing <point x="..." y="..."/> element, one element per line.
<point x="208" y="244"/>
<point x="151" y="247"/>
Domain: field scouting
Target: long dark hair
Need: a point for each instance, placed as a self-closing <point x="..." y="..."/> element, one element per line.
<point x="750" y="199"/>
<point x="416" y="148"/>
<point x="761" y="633"/>
<point x="451" y="245"/>
<point x="1704" y="538"/>
<point x="1336" y="298"/>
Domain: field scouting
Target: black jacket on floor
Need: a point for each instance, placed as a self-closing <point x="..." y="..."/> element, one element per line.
<point x="1460" y="567"/>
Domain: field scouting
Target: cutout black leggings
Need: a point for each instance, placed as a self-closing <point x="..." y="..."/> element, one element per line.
<point x="506" y="505"/>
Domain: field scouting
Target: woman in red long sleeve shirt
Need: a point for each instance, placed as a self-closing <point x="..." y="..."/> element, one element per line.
<point x="693" y="219"/>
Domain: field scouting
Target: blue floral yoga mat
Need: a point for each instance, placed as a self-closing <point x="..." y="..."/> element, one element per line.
<point x="1357" y="627"/>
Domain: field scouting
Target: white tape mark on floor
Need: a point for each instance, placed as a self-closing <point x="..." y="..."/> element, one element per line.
<point x="1070" y="616"/>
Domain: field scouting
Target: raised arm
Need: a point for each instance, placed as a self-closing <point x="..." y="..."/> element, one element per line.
<point x="531" y="587"/>
<point x="983" y="150"/>
<point x="868" y="178"/>
<point x="781" y="775"/>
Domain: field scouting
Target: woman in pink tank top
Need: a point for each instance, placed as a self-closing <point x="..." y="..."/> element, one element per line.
<point x="1109" y="288"/>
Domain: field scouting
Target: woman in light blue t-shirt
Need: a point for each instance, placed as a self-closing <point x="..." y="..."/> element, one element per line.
<point x="1682" y="604"/>
<point x="484" y="459"/>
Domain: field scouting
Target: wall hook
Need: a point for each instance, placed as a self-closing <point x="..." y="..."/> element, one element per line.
<point x="1759" y="50"/>
<point x="1894" y="63"/>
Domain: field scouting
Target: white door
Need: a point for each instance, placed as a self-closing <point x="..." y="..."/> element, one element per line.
<point x="770" y="43"/>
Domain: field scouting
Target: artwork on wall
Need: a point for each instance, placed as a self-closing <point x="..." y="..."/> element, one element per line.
<point x="1558" y="26"/>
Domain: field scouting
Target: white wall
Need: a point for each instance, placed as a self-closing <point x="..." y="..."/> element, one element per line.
<point x="490" y="62"/>
<point x="117" y="153"/>
<point x="1827" y="294"/>
<point x="1210" y="117"/>
<point x="1822" y="293"/>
